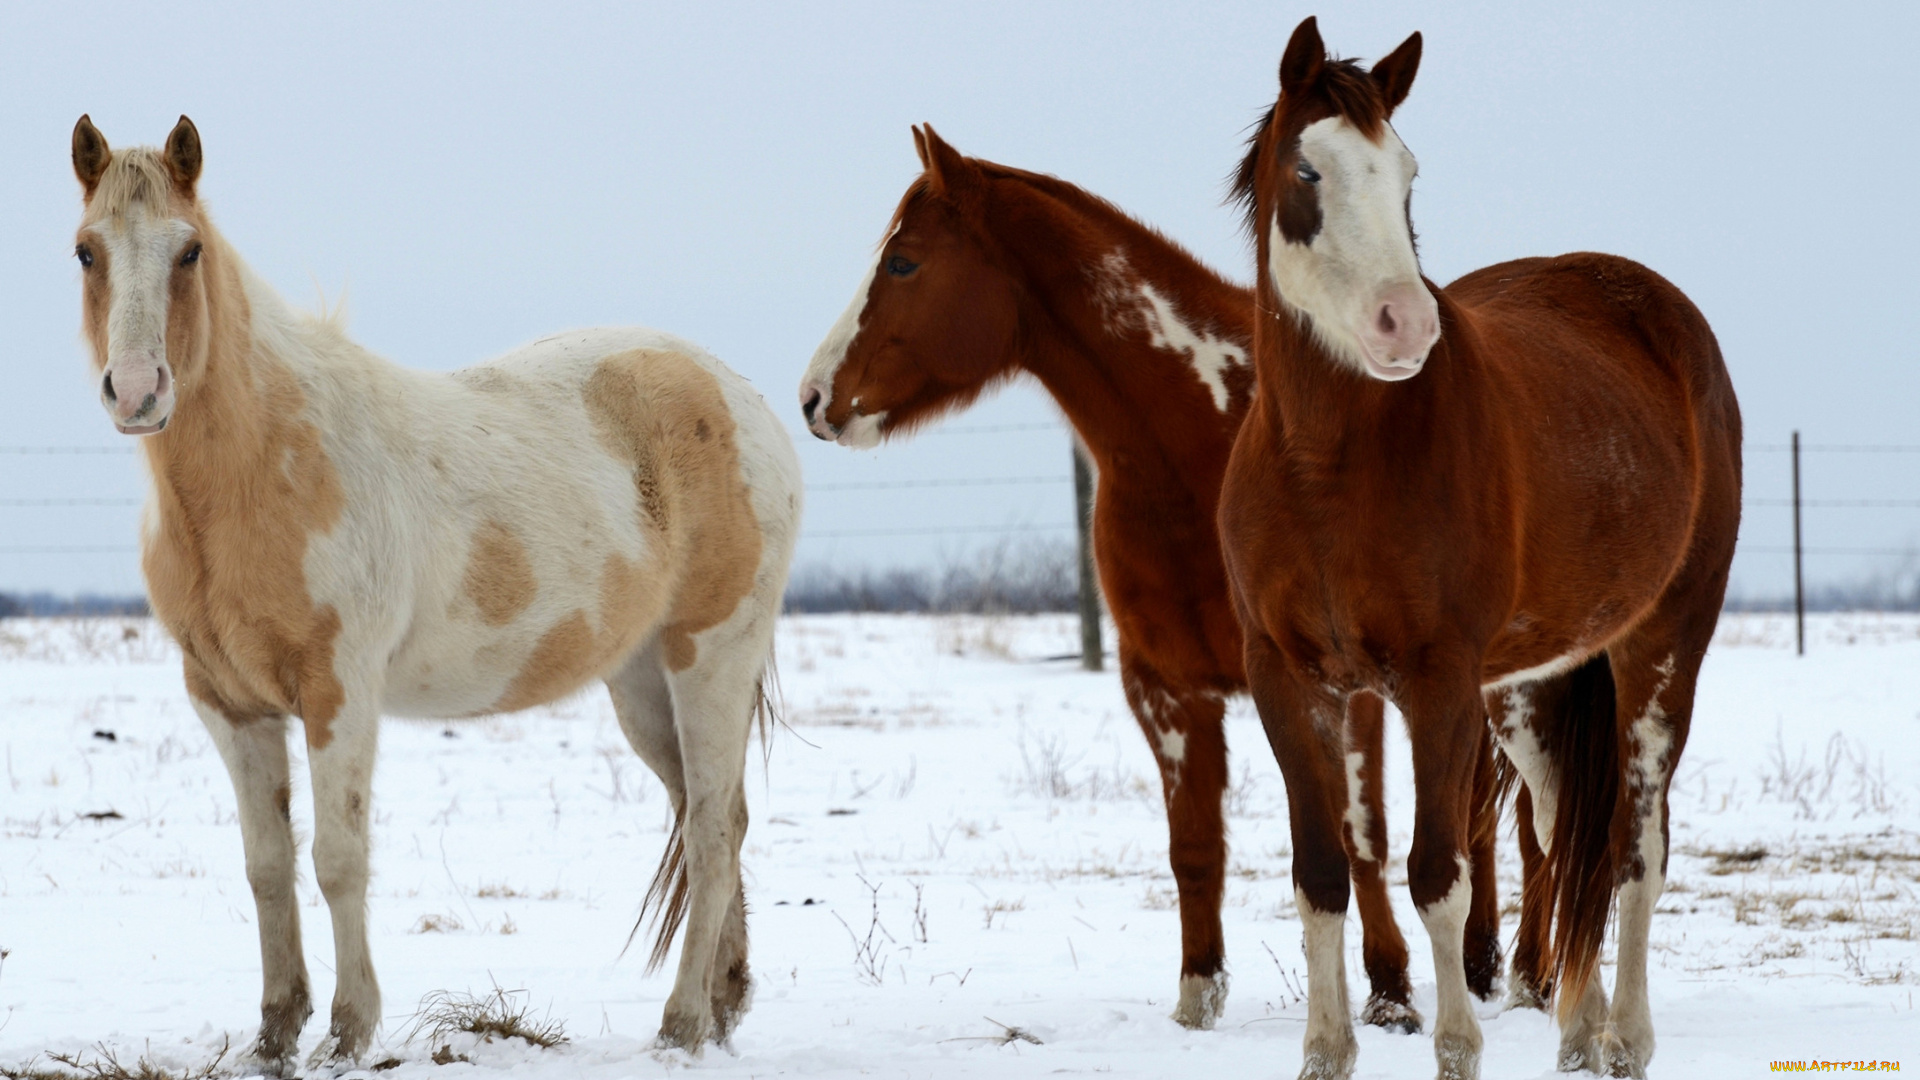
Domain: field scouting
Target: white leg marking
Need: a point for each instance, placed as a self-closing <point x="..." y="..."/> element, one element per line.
<point x="1202" y="1000"/>
<point x="1628" y="1045"/>
<point x="1358" y="821"/>
<point x="1456" y="1032"/>
<point x="1330" y="1046"/>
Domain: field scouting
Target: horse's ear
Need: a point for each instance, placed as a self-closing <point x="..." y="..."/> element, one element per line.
<point x="90" y="154"/>
<point x="920" y="147"/>
<point x="183" y="156"/>
<point x="1306" y="54"/>
<point x="946" y="168"/>
<point x="1395" y="72"/>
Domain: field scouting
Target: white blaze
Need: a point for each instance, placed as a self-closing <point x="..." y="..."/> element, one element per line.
<point x="1364" y="243"/>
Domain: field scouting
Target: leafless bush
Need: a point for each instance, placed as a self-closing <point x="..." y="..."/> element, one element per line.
<point x="1049" y="771"/>
<point x="103" y="1063"/>
<point x="870" y="952"/>
<point x="497" y="1014"/>
<point x="1815" y="788"/>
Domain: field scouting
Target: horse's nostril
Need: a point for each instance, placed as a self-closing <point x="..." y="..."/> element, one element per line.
<point x="106" y="387"/>
<point x="1387" y="325"/>
<point x="161" y="378"/>
<point x="811" y="403"/>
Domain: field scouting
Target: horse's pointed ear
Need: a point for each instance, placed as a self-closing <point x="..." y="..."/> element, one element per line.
<point x="90" y="154"/>
<point x="1395" y="72"/>
<point x="946" y="168"/>
<point x="1306" y="53"/>
<point x="183" y="156"/>
<point x="920" y="147"/>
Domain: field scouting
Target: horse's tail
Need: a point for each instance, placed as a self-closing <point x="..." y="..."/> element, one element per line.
<point x="1493" y="807"/>
<point x="1583" y="744"/>
<point x="667" y="898"/>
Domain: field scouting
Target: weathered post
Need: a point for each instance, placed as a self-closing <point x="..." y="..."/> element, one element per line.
<point x="1799" y="589"/>
<point x="1092" y="654"/>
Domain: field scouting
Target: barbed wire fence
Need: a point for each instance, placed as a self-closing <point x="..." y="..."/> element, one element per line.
<point x="1076" y="502"/>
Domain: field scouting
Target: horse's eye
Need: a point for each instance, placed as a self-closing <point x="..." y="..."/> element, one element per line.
<point x="901" y="266"/>
<point x="1306" y="172"/>
<point x="192" y="256"/>
<point x="85" y="256"/>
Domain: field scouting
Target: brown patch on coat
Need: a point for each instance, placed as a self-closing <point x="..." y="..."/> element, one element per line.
<point x="499" y="576"/>
<point x="667" y="415"/>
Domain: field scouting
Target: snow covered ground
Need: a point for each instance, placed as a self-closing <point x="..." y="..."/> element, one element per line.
<point x="955" y="834"/>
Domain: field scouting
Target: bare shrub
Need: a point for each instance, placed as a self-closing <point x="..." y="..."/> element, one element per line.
<point x="103" y="1063"/>
<point x="497" y="1014"/>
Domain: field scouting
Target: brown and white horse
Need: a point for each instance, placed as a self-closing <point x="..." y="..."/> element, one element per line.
<point x="333" y="537"/>
<point x="987" y="272"/>
<point x="1518" y="494"/>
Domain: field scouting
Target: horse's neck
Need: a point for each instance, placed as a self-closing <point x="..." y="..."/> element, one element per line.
<point x="1131" y="343"/>
<point x="1336" y="420"/>
<point x="224" y="433"/>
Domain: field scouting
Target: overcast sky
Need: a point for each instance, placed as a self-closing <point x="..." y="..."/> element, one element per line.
<point x="476" y="176"/>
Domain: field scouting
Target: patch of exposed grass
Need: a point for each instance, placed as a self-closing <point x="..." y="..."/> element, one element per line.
<point x="498" y="1014"/>
<point x="103" y="1063"/>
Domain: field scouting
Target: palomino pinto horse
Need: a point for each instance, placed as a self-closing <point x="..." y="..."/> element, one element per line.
<point x="333" y="537"/>
<point x="989" y="271"/>
<point x="1519" y="493"/>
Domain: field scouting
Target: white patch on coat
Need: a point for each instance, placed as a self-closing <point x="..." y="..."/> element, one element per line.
<point x="1131" y="305"/>
<point x="1364" y="241"/>
<point x="1173" y="745"/>
<point x="1513" y="727"/>
<point x="1209" y="355"/>
<point x="832" y="351"/>
<point x="1559" y="665"/>
<point x="1358" y="821"/>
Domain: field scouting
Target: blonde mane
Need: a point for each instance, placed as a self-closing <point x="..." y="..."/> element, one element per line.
<point x="134" y="176"/>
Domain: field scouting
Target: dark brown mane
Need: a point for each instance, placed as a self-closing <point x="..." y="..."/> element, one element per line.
<point x="1343" y="89"/>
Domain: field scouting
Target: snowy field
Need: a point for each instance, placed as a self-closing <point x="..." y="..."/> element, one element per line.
<point x="956" y="837"/>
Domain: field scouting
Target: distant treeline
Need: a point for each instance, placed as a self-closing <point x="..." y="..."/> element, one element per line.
<point x="1007" y="578"/>
<point x="45" y="603"/>
<point x="1023" y="578"/>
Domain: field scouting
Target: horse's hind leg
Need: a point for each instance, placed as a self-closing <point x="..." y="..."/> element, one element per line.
<point x="1654" y="675"/>
<point x="1483" y="918"/>
<point x="1530" y="977"/>
<point x="1383" y="950"/>
<point x="255" y="753"/>
<point x="1190" y="747"/>
<point x="714" y="700"/>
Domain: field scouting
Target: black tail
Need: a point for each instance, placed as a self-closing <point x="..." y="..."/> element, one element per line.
<point x="1582" y="739"/>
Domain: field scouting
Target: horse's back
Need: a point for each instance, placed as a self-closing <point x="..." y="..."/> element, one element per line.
<point x="1603" y="301"/>
<point x="597" y="490"/>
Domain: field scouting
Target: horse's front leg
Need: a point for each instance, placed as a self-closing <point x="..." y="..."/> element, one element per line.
<point x="1185" y="730"/>
<point x="1383" y="951"/>
<point x="1306" y="728"/>
<point x="255" y="752"/>
<point x="340" y="753"/>
<point x="1442" y="720"/>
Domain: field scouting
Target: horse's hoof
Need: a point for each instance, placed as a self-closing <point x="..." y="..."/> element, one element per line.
<point x="1329" y="1059"/>
<point x="1383" y="1012"/>
<point x="1202" y="999"/>
<point x="1620" y="1059"/>
<point x="1580" y="1056"/>
<point x="1458" y="1058"/>
<point x="685" y="1031"/>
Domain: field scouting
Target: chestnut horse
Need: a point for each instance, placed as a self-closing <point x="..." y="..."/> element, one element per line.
<point x="333" y="537"/>
<point x="989" y="271"/>
<point x="1517" y="494"/>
